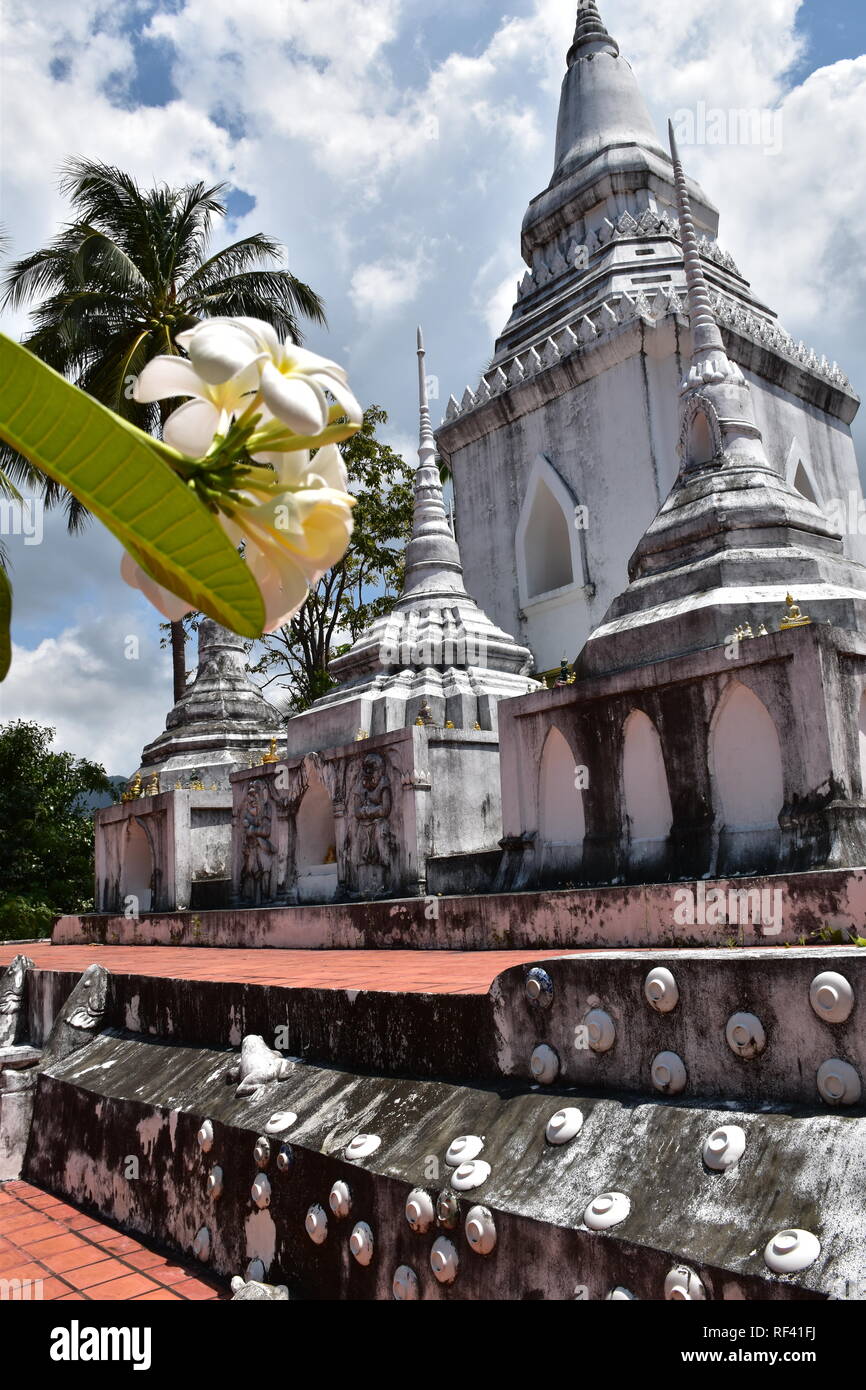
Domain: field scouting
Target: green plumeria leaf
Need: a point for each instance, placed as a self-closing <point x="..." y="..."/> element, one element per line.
<point x="5" y="620"/>
<point x="113" y="468"/>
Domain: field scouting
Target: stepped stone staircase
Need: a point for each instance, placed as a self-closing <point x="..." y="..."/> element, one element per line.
<point x="672" y="1123"/>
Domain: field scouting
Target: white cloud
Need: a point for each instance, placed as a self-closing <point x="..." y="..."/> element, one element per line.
<point x="381" y="289"/>
<point x="102" y="705"/>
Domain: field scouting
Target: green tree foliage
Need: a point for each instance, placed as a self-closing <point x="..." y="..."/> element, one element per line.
<point x="366" y="582"/>
<point x="46" y="835"/>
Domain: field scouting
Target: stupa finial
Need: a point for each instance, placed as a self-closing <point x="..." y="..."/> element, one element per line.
<point x="432" y="557"/>
<point x="590" y="34"/>
<point x="706" y="335"/>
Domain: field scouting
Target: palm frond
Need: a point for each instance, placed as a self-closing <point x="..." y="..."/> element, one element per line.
<point x="274" y="295"/>
<point x="232" y="260"/>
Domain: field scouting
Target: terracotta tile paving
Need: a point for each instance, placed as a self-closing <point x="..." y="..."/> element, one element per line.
<point x="427" y="972"/>
<point x="97" y="1263"/>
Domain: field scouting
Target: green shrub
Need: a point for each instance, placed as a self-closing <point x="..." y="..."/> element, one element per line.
<point x="21" y="920"/>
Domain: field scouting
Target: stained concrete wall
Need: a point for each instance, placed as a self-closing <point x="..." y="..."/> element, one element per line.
<point x="809" y="681"/>
<point x="156" y="848"/>
<point x="107" y="1135"/>
<point x="642" y="915"/>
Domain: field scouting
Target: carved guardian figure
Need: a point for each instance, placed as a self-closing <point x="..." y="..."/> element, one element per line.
<point x="12" y="998"/>
<point x="81" y="1017"/>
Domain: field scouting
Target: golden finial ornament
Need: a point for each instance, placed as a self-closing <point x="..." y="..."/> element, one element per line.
<point x="271" y="755"/>
<point x="178" y="786"/>
<point x="477" y="726"/>
<point x="794" y="617"/>
<point x="762" y="631"/>
<point x="449" y="724"/>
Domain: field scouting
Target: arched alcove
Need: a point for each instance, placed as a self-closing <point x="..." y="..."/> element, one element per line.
<point x="549" y="556"/>
<point x="701" y="445"/>
<point x="803" y="484"/>
<point x="561" y="820"/>
<point x="316" y="834"/>
<point x="547" y="545"/>
<point x="645" y="782"/>
<point x="746" y="762"/>
<point x="138" y="866"/>
<point x="800" y="475"/>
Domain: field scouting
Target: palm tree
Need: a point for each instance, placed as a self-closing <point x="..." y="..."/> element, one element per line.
<point x="115" y="287"/>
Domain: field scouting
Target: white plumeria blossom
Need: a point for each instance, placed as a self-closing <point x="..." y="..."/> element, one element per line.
<point x="292" y="532"/>
<point x="292" y="380"/>
<point x="191" y="428"/>
<point x="292" y="538"/>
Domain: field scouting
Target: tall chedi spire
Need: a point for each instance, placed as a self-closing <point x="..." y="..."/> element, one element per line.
<point x="436" y="653"/>
<point x="432" y="557"/>
<point x="603" y="226"/>
<point x="734" y="538"/>
<point x="601" y="106"/>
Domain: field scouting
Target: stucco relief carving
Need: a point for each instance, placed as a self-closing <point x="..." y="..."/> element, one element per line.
<point x="373" y="804"/>
<point x="258" y="850"/>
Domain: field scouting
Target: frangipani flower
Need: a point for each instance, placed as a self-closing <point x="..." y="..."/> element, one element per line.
<point x="191" y="428"/>
<point x="292" y="380"/>
<point x="292" y="537"/>
<point x="292" y="512"/>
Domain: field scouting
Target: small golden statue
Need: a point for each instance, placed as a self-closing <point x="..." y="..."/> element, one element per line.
<point x="425" y="717"/>
<point x="477" y="727"/>
<point x="449" y="724"/>
<point x="361" y="735"/>
<point x="762" y="631"/>
<point x="195" y="782"/>
<point x="794" y="617"/>
<point x="747" y="631"/>
<point x="178" y="786"/>
<point x="133" y="790"/>
<point x="153" y="785"/>
<point x="271" y="755"/>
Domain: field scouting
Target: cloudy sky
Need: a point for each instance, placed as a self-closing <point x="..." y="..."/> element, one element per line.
<point x="393" y="145"/>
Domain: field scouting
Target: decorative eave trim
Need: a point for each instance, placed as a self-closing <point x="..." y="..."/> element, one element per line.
<point x="604" y="328"/>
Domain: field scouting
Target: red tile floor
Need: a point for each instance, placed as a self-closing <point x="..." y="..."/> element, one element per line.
<point x="426" y="972"/>
<point x="78" y="1258"/>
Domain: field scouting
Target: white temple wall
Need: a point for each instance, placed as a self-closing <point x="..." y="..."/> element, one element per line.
<point x="612" y="440"/>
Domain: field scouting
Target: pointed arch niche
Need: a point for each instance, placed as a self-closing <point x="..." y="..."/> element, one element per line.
<point x="645" y="789"/>
<point x="747" y="776"/>
<point x="138" y="865"/>
<point x="561" y="818"/>
<point x="550" y="555"/>
<point x="316" y="842"/>
<point x="798" y="472"/>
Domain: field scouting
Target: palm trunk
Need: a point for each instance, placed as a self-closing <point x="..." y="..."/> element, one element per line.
<point x="178" y="658"/>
